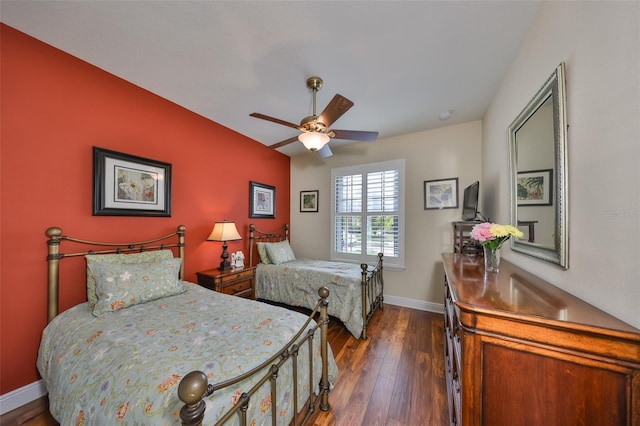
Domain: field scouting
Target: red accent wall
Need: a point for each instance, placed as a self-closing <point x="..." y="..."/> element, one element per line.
<point x="54" y="109"/>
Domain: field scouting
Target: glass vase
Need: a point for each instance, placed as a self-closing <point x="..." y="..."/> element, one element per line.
<point x="491" y="259"/>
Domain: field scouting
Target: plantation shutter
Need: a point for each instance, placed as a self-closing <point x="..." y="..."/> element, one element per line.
<point x="367" y="216"/>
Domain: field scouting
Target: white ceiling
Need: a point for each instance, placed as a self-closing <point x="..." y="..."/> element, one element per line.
<point x="401" y="62"/>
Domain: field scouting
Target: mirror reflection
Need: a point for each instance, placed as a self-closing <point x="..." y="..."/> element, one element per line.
<point x="538" y="168"/>
<point x="535" y="167"/>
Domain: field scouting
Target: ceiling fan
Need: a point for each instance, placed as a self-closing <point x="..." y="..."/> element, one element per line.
<point x="315" y="129"/>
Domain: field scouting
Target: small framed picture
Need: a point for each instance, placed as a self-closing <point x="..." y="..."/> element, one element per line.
<point x="309" y="201"/>
<point x="262" y="200"/>
<point x="535" y="187"/>
<point x="441" y="194"/>
<point x="126" y="185"/>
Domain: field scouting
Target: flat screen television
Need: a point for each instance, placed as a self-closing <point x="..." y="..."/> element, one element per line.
<point x="470" y="202"/>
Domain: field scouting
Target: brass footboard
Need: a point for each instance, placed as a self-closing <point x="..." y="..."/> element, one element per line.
<point x="372" y="292"/>
<point x="194" y="386"/>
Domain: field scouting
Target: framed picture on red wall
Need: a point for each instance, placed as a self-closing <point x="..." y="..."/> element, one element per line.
<point x="127" y="185"/>
<point x="262" y="200"/>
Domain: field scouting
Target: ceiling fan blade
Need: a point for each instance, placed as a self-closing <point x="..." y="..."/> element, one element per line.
<point x="338" y="106"/>
<point x="325" y="151"/>
<point x="274" y="120"/>
<point x="355" y="135"/>
<point x="283" y="143"/>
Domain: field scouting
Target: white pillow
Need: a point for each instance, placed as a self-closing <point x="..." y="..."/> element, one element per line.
<point x="280" y="252"/>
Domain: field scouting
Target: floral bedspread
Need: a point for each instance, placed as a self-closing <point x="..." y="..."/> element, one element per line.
<point x="297" y="282"/>
<point x="125" y="367"/>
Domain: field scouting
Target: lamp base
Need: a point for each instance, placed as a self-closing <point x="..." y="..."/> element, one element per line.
<point x="225" y="265"/>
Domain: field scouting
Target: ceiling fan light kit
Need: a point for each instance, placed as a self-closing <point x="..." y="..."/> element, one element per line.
<point x="314" y="128"/>
<point x="313" y="141"/>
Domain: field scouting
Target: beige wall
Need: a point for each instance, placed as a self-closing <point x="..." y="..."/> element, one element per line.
<point x="446" y="152"/>
<point x="600" y="45"/>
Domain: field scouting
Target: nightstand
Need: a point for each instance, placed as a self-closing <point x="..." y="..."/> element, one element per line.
<point x="236" y="282"/>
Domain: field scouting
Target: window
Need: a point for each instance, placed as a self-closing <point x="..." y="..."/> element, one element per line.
<point x="367" y="216"/>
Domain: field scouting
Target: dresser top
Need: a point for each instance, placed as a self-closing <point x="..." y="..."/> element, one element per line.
<point x="516" y="292"/>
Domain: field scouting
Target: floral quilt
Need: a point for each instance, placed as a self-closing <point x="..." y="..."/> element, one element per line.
<point x="296" y="283"/>
<point x="125" y="366"/>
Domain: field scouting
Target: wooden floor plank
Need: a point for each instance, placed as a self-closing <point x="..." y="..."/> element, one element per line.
<point x="377" y="411"/>
<point x="394" y="378"/>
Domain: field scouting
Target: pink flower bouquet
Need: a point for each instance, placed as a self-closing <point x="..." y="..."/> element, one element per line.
<point x="492" y="235"/>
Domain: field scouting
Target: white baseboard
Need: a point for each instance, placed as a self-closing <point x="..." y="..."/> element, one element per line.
<point x="21" y="396"/>
<point x="415" y="304"/>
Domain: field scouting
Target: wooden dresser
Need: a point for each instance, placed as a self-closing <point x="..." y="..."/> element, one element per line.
<point x="520" y="351"/>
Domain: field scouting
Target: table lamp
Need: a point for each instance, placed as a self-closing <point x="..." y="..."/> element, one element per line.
<point x="224" y="231"/>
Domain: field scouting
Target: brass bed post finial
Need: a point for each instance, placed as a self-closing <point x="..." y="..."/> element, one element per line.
<point x="191" y="390"/>
<point x="252" y="229"/>
<point x="323" y="292"/>
<point x="180" y="232"/>
<point x="365" y="299"/>
<point x="381" y="280"/>
<point x="53" y="262"/>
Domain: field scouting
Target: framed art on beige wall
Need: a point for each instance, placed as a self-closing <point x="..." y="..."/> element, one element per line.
<point x="309" y="201"/>
<point x="441" y="194"/>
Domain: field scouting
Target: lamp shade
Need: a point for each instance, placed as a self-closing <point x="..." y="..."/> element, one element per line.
<point x="224" y="231"/>
<point x="313" y="141"/>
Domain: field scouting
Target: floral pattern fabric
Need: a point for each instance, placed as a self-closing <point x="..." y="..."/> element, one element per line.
<point x="262" y="252"/>
<point x="125" y="367"/>
<point x="280" y="252"/>
<point x="296" y="283"/>
<point x="121" y="285"/>
<point x="121" y="258"/>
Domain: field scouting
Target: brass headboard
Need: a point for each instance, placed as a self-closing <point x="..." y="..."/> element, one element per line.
<point x="256" y="236"/>
<point x="53" y="259"/>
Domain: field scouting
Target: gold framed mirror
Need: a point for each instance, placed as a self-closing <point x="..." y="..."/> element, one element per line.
<point x="538" y="163"/>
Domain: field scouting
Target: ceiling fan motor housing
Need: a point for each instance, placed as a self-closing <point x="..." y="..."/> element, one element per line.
<point x="311" y="124"/>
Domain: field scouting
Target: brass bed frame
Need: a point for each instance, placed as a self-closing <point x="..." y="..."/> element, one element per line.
<point x="194" y="386"/>
<point x="372" y="278"/>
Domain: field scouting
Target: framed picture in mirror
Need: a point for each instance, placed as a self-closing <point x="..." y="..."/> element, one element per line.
<point x="534" y="188"/>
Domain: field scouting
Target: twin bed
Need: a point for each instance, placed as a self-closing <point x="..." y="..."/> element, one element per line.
<point x="146" y="344"/>
<point x="357" y="290"/>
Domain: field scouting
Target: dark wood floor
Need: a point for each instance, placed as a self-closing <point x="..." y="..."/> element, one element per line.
<point x="394" y="378"/>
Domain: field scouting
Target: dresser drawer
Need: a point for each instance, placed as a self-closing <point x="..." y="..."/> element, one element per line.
<point x="236" y="288"/>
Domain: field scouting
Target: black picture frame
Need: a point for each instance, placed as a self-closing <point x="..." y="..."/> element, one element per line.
<point x="128" y="185"/>
<point x="309" y="201"/>
<point x="535" y="187"/>
<point x="262" y="200"/>
<point x="441" y="194"/>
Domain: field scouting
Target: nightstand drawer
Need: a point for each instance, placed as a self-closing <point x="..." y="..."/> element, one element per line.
<point x="234" y="289"/>
<point x="234" y="282"/>
<point x="243" y="274"/>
